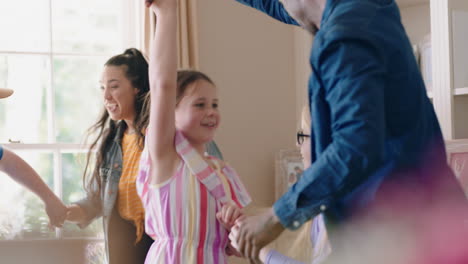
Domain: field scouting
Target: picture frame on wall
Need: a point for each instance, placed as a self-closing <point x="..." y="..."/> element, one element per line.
<point x="457" y="158"/>
<point x="288" y="170"/>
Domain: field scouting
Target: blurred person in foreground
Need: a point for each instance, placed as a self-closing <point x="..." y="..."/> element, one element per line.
<point x="376" y="142"/>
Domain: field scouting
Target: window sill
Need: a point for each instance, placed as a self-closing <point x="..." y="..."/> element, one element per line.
<point x="46" y="251"/>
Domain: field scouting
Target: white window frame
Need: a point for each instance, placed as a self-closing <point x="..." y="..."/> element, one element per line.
<point x="132" y="29"/>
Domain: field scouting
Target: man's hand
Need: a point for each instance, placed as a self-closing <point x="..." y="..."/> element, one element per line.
<point x="56" y="211"/>
<point x="251" y="233"/>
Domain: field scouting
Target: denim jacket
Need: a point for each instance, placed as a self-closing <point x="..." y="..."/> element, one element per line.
<point x="372" y="122"/>
<point x="110" y="171"/>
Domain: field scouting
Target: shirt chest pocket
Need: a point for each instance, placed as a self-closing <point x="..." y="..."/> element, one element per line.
<point x="104" y="173"/>
<point x="111" y="173"/>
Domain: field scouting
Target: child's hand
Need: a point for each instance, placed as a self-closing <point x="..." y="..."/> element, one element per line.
<point x="228" y="215"/>
<point x="231" y="251"/>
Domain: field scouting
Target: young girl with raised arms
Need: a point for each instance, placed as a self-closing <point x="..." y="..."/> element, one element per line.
<point x="191" y="199"/>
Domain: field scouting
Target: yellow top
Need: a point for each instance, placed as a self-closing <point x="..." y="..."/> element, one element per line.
<point x="129" y="203"/>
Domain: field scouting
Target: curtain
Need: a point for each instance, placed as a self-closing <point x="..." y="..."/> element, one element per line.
<point x="187" y="35"/>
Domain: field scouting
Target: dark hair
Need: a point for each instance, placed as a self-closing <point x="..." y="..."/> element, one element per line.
<point x="187" y="77"/>
<point x="136" y="70"/>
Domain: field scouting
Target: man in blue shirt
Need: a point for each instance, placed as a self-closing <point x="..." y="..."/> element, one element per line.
<point x="20" y="171"/>
<point x="373" y="125"/>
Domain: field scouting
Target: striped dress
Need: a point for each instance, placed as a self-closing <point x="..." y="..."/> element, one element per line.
<point x="181" y="212"/>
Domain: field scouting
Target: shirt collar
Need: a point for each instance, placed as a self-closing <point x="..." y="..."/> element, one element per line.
<point x="329" y="6"/>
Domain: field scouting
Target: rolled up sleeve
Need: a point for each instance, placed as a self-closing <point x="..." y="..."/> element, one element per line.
<point x="273" y="8"/>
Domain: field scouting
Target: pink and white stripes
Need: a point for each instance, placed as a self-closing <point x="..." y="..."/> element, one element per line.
<point x="181" y="212"/>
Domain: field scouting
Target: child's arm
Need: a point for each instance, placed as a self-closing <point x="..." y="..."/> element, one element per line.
<point x="228" y="215"/>
<point x="76" y="214"/>
<point x="20" y="171"/>
<point x="163" y="83"/>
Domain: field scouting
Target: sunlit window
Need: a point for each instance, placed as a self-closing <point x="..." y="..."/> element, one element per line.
<point x="51" y="54"/>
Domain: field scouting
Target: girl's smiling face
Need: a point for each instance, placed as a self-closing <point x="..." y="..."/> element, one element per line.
<point x="197" y="114"/>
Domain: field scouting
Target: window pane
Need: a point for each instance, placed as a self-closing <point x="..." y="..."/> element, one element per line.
<point x="23" y="115"/>
<point x="25" y="25"/>
<point x="72" y="171"/>
<point x="87" y="26"/>
<point x="77" y="96"/>
<point x="22" y="213"/>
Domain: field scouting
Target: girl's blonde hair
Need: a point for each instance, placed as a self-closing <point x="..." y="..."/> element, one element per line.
<point x="298" y="244"/>
<point x="299" y="247"/>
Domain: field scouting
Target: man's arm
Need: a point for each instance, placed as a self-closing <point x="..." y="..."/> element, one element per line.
<point x="23" y="173"/>
<point x="273" y="8"/>
<point x="352" y="72"/>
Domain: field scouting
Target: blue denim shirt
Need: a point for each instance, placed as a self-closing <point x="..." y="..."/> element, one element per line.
<point x="372" y="121"/>
<point x="1" y="152"/>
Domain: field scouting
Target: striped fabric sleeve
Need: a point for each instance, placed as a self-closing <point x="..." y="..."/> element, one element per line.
<point x="239" y="193"/>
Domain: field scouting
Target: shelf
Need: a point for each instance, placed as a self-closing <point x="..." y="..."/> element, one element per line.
<point x="407" y="3"/>
<point x="461" y="91"/>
